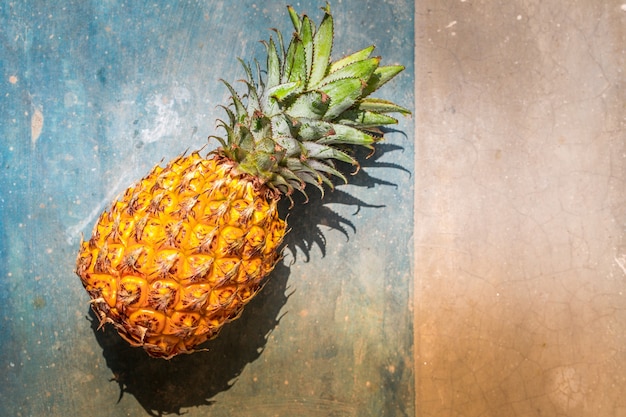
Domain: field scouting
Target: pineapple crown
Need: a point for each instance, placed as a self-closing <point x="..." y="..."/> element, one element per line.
<point x="292" y="124"/>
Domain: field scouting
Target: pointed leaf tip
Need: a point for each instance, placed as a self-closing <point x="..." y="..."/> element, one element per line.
<point x="381" y="76"/>
<point x="295" y="19"/>
<point x="322" y="47"/>
<point x="273" y="64"/>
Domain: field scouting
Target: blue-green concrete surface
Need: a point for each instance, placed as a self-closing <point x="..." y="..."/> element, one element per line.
<point x="95" y="93"/>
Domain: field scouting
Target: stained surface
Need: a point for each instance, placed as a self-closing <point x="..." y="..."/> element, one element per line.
<point x="520" y="208"/>
<point x="517" y="266"/>
<point x="96" y="93"/>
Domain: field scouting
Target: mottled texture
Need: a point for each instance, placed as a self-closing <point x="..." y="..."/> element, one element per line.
<point x="95" y="94"/>
<point x="520" y="208"/>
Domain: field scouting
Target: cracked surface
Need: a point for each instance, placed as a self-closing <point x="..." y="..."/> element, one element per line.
<point x="520" y="293"/>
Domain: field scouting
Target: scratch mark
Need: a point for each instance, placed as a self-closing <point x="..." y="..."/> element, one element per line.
<point x="621" y="261"/>
<point x="36" y="126"/>
<point x="72" y="232"/>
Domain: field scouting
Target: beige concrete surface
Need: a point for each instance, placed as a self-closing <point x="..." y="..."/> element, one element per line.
<point x="520" y="291"/>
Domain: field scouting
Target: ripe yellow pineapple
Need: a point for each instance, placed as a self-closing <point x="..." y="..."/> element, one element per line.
<point x="184" y="249"/>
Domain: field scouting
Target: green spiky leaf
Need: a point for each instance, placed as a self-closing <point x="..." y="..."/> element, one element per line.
<point x="381" y="106"/>
<point x="346" y="135"/>
<point x="282" y="125"/>
<point x="380" y="77"/>
<point x="327" y="168"/>
<point x="364" y="119"/>
<point x="273" y="65"/>
<point x="240" y="109"/>
<point x="312" y="129"/>
<point x="289" y="144"/>
<point x="322" y="46"/>
<point x="362" y="70"/>
<point x="296" y="61"/>
<point x="295" y="19"/>
<point x="319" y="151"/>
<point x="306" y="35"/>
<point x="314" y="104"/>
<point x="343" y="94"/>
<point x="351" y="59"/>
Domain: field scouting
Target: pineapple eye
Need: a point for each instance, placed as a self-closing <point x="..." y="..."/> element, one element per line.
<point x="115" y="254"/>
<point x="245" y="294"/>
<point x="204" y="331"/>
<point x="152" y="321"/>
<point x="167" y="204"/>
<point x="103" y="263"/>
<point x="224" y="269"/>
<point x="101" y="286"/>
<point x="240" y="212"/>
<point x="252" y="270"/>
<point x="167" y="179"/>
<point x="255" y="242"/>
<point x="263" y="212"/>
<point x="214" y="323"/>
<point x="183" y="325"/>
<point x="231" y="240"/>
<point x="125" y="229"/>
<point x="275" y="238"/>
<point x="133" y="205"/>
<point x="133" y="260"/>
<point x="214" y="212"/>
<point x="164" y="295"/>
<point x="132" y="291"/>
<point x="164" y="264"/>
<point x="153" y="233"/>
<point x="161" y="346"/>
<point x="195" y="268"/>
<point x="155" y="206"/>
<point x="222" y="297"/>
<point x="84" y="262"/>
<point x="256" y="236"/>
<point x="194" y="297"/>
<point x="185" y="208"/>
<point x="172" y="231"/>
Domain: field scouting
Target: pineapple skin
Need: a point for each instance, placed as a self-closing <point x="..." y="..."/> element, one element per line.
<point x="181" y="253"/>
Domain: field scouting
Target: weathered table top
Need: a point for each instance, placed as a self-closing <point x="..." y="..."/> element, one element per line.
<point x="96" y="93"/>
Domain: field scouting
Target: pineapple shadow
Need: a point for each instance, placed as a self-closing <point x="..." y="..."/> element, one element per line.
<point x="166" y="387"/>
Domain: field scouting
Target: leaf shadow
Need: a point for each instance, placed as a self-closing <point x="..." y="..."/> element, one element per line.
<point x="306" y="218"/>
<point x="166" y="387"/>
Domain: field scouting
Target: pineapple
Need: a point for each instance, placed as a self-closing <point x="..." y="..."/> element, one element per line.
<point x="183" y="250"/>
